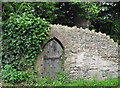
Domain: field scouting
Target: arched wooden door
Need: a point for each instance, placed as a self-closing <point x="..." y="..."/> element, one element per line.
<point x="52" y="59"/>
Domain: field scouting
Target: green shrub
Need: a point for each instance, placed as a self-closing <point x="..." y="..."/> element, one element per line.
<point x="23" y="36"/>
<point x="11" y="75"/>
<point x="62" y="80"/>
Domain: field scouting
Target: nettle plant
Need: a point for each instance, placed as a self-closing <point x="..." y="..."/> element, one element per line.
<point x="23" y="36"/>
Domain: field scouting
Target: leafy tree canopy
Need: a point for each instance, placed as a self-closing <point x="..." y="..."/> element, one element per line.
<point x="100" y="16"/>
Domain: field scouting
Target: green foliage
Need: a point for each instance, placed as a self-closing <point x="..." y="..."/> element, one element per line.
<point x="9" y="7"/>
<point x="103" y="18"/>
<point x="23" y="36"/>
<point x="24" y="31"/>
<point x="79" y="82"/>
<point x="116" y="29"/>
<point x="13" y="76"/>
<point x="44" y="82"/>
<point x="102" y="15"/>
<point x="93" y="8"/>
<point x="5" y="8"/>
<point x="47" y="10"/>
<point x="84" y="82"/>
<point x="30" y="78"/>
<point x="0" y="21"/>
<point x="62" y="80"/>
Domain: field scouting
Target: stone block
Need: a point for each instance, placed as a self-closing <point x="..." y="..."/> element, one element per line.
<point x="105" y="69"/>
<point x="54" y="34"/>
<point x="94" y="73"/>
<point x="65" y="43"/>
<point x="72" y="72"/>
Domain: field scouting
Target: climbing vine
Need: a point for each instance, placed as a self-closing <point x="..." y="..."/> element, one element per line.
<point x="23" y="36"/>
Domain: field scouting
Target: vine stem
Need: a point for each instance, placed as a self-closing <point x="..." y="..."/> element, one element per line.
<point x="20" y="7"/>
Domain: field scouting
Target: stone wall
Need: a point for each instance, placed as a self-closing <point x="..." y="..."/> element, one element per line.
<point x="87" y="53"/>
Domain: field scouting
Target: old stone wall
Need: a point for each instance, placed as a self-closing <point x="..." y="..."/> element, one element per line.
<point x="87" y="53"/>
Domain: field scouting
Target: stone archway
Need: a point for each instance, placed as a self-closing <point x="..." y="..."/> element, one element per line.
<point x="59" y="36"/>
<point x="49" y="62"/>
<point x="52" y="58"/>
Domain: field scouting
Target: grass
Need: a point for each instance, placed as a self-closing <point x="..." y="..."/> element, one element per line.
<point x="80" y="82"/>
<point x="108" y="82"/>
<point x="63" y="81"/>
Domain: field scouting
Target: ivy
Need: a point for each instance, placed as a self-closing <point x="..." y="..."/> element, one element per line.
<point x="23" y="36"/>
<point x="10" y="74"/>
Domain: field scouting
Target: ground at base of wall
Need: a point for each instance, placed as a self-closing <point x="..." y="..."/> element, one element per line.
<point x="80" y="82"/>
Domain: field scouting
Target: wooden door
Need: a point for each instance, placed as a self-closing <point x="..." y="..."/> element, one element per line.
<point x="52" y="59"/>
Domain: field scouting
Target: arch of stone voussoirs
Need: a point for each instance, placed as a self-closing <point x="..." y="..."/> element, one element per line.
<point x="59" y="37"/>
<point x="53" y="38"/>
